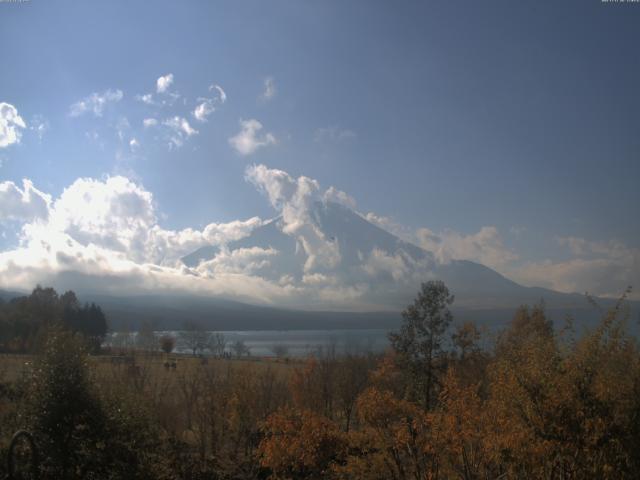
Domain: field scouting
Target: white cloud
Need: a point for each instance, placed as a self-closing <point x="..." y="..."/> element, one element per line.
<point x="26" y="204"/>
<point x="106" y="234"/>
<point x="163" y="83"/>
<point x="207" y="106"/>
<point x="115" y="214"/>
<point x="11" y="125"/>
<point x="293" y="198"/>
<point x="149" y="122"/>
<point x="134" y="144"/>
<point x="221" y="233"/>
<point x="269" y="89"/>
<point x="246" y="261"/>
<point x="222" y="96"/>
<point x="203" y="109"/>
<point x="338" y="196"/>
<point x="180" y="130"/>
<point x="95" y="103"/>
<point x="248" y="140"/>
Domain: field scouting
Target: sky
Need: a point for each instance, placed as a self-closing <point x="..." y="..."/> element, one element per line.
<point x="502" y="132"/>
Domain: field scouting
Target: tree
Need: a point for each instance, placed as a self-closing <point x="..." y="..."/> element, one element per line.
<point x="217" y="344"/>
<point x="62" y="410"/>
<point x="167" y="343"/>
<point x="300" y="444"/>
<point x="466" y="338"/>
<point x="81" y="431"/>
<point x="240" y="348"/>
<point x="280" y="350"/>
<point x="419" y="342"/>
<point x="146" y="338"/>
<point x="194" y="337"/>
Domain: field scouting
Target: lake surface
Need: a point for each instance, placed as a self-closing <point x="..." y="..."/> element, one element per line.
<point x="297" y="343"/>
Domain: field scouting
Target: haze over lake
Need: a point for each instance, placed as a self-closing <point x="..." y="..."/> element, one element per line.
<point x="298" y="343"/>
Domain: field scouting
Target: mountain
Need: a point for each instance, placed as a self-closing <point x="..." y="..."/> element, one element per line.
<point x="390" y="267"/>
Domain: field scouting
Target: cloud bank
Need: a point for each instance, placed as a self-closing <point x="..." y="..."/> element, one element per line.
<point x="106" y="235"/>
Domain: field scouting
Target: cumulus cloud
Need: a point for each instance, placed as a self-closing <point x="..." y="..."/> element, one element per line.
<point x="23" y="204"/>
<point x="163" y="83"/>
<point x="149" y="122"/>
<point x="99" y="227"/>
<point x="11" y="125"/>
<point x="105" y="235"/>
<point x="249" y="139"/>
<point x="95" y="103"/>
<point x="269" y="90"/>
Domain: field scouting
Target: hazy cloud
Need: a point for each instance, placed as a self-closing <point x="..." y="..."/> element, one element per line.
<point x="600" y="268"/>
<point x="180" y="130"/>
<point x="269" y="89"/>
<point x="39" y="125"/>
<point x="485" y="246"/>
<point x="146" y="98"/>
<point x="95" y="103"/>
<point x="332" y="134"/>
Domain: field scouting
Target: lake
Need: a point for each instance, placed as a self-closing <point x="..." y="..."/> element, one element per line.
<point x="297" y="343"/>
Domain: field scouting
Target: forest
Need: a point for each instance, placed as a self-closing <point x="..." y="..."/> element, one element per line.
<point x="536" y="400"/>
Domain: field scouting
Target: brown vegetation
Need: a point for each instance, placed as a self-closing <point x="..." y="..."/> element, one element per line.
<point x="537" y="404"/>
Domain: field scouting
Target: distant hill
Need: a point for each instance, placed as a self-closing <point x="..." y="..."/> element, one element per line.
<point x="168" y="312"/>
<point x="6" y="295"/>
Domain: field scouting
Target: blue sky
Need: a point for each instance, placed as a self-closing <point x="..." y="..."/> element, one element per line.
<point x="447" y="116"/>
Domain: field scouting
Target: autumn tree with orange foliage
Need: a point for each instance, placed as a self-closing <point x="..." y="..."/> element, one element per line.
<point x="540" y="404"/>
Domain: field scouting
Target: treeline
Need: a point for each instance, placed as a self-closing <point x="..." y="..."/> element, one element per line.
<point x="541" y="402"/>
<point x="24" y="319"/>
